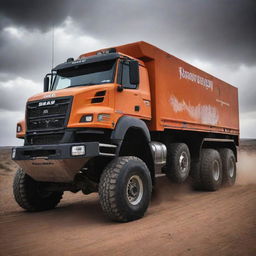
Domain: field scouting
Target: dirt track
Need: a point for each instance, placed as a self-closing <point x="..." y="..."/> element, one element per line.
<point x="178" y="222"/>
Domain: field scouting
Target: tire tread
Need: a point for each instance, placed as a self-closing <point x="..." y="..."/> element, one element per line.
<point x="22" y="194"/>
<point x="107" y="188"/>
<point x="172" y="152"/>
<point x="205" y="175"/>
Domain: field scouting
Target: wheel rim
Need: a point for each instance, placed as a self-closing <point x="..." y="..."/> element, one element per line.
<point x="216" y="170"/>
<point x="134" y="190"/>
<point x="231" y="168"/>
<point x="183" y="162"/>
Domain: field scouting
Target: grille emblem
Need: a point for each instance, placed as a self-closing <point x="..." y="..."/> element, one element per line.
<point x="45" y="111"/>
<point x="47" y="123"/>
<point x="46" y="103"/>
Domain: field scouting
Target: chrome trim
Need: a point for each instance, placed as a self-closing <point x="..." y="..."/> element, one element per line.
<point x="103" y="145"/>
<point x="218" y="140"/>
<point x="159" y="152"/>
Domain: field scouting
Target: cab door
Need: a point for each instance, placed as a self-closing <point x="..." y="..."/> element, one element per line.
<point x="129" y="101"/>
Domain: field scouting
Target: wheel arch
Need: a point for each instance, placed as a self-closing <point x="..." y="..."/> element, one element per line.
<point x="133" y="137"/>
<point x="219" y="143"/>
<point x="125" y="123"/>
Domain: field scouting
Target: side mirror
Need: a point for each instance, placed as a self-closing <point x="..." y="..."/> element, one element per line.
<point x="46" y="83"/>
<point x="134" y="72"/>
<point x="70" y="59"/>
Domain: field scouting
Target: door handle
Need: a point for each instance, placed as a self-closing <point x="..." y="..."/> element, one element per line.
<point x="137" y="108"/>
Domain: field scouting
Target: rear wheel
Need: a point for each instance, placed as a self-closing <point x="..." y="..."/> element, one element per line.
<point x="228" y="166"/>
<point x="178" y="162"/>
<point x="31" y="195"/>
<point x="210" y="170"/>
<point x="125" y="189"/>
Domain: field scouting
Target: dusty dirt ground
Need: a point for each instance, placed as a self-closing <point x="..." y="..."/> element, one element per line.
<point x="178" y="222"/>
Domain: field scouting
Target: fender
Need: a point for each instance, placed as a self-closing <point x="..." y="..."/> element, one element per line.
<point x="123" y="124"/>
<point x="118" y="135"/>
<point x="217" y="143"/>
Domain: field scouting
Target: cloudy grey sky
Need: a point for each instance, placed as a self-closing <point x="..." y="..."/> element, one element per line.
<point x="217" y="36"/>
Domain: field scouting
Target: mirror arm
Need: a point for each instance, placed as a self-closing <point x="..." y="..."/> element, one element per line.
<point x="46" y="82"/>
<point x="120" y="88"/>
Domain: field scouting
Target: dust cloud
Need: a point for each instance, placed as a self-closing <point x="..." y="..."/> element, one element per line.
<point x="165" y="190"/>
<point x="246" y="168"/>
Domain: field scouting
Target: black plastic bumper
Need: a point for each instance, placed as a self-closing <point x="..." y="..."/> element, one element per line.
<point x="55" y="151"/>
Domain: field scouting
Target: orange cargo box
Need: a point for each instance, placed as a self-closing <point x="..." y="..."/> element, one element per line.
<point x="183" y="96"/>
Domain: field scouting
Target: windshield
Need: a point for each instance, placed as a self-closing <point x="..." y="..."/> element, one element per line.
<point x="85" y="75"/>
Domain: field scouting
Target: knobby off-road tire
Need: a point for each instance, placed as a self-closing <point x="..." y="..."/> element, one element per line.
<point x="125" y="189"/>
<point x="210" y="170"/>
<point x="30" y="194"/>
<point x="228" y="166"/>
<point x="178" y="162"/>
<point x="195" y="175"/>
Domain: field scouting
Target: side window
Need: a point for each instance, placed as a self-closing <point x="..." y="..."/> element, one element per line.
<point x="125" y="77"/>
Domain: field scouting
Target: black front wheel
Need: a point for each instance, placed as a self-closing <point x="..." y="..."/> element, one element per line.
<point x="125" y="189"/>
<point x="31" y="195"/>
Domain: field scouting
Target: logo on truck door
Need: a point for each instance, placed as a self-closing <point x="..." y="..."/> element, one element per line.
<point x="208" y="84"/>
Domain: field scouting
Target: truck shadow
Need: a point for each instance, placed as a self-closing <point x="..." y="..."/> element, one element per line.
<point x="78" y="209"/>
<point x="84" y="209"/>
<point x="165" y="190"/>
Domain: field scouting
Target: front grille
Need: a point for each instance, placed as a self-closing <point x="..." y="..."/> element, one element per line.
<point x="50" y="114"/>
<point x="51" y="110"/>
<point x="44" y="139"/>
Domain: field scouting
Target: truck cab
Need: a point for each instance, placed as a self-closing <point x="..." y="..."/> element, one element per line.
<point x="91" y="92"/>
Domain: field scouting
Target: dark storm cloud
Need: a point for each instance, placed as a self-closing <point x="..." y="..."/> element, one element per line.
<point x="35" y="14"/>
<point x="29" y="57"/>
<point x="220" y="30"/>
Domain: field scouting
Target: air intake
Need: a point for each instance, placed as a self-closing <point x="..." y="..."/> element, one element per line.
<point x="99" y="97"/>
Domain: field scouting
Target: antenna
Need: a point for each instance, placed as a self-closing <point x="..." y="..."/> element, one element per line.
<point x="52" y="46"/>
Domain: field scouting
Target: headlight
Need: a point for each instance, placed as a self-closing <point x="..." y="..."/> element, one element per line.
<point x="19" y="128"/>
<point x="103" y="117"/>
<point x="78" y="150"/>
<point x="86" y="119"/>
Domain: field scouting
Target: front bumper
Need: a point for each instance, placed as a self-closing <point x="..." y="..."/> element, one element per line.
<point x="55" y="163"/>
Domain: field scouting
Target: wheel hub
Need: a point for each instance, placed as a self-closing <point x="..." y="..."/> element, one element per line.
<point x="183" y="162"/>
<point x="216" y="170"/>
<point x="134" y="190"/>
<point x="231" y="168"/>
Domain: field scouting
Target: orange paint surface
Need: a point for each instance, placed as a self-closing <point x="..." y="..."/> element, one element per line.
<point x="172" y="94"/>
<point x="183" y="96"/>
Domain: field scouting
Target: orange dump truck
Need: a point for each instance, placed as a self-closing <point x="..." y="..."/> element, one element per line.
<point x="109" y="120"/>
